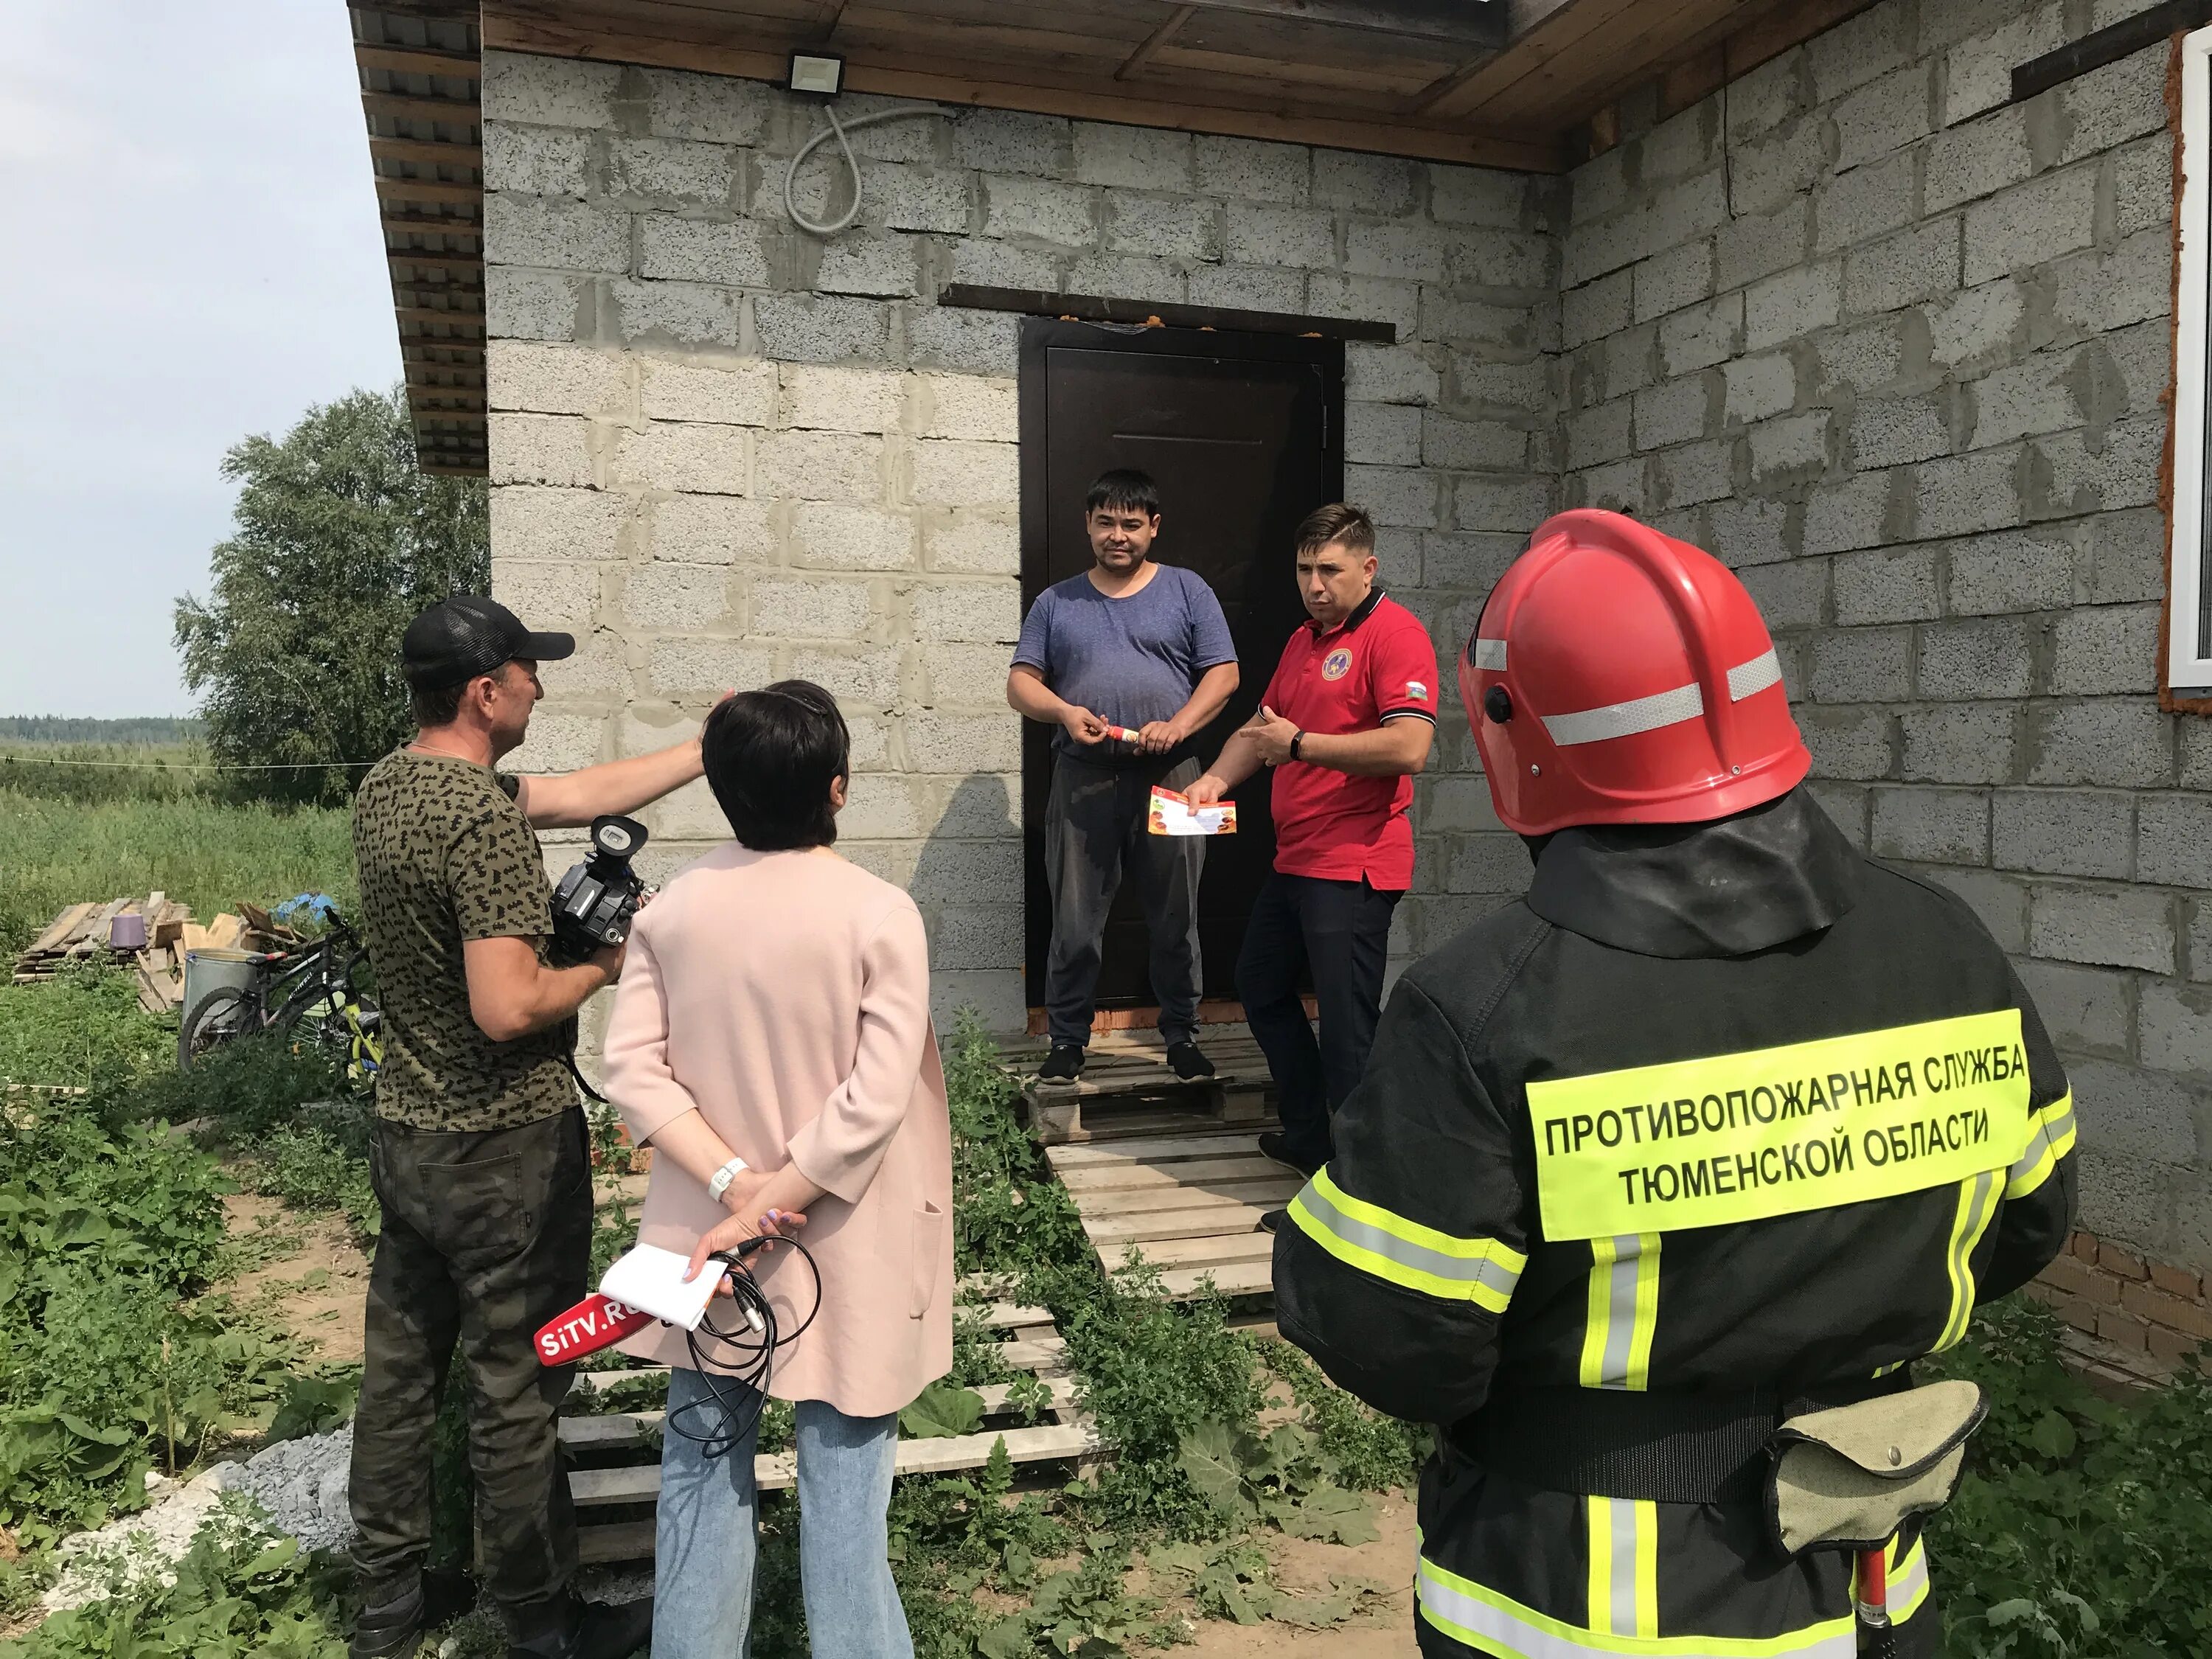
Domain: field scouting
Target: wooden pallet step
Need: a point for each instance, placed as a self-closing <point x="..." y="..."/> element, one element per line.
<point x="1173" y="1224"/>
<point x="1079" y="1127"/>
<point x="1160" y="1149"/>
<point x="1045" y="1351"/>
<point x="1230" y="1278"/>
<point x="1267" y="1193"/>
<point x="1212" y="1250"/>
<point x="626" y="1428"/>
<point x="1103" y="1178"/>
<point x="639" y="1483"/>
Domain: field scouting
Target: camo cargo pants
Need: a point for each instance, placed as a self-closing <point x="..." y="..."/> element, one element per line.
<point x="486" y="1235"/>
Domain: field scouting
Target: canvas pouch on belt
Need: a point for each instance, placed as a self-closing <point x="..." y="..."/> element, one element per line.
<point x="1847" y="1478"/>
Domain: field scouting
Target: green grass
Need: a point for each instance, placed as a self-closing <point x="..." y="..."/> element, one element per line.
<point x="207" y="852"/>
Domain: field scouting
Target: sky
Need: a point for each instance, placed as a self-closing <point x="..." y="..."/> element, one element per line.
<point x="189" y="253"/>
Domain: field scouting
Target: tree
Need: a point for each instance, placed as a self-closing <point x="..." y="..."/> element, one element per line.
<point x="340" y="539"/>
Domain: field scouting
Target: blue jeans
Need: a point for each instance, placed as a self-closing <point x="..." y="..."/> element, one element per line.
<point x="704" y="1590"/>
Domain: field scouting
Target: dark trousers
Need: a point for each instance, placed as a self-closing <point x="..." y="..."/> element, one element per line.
<point x="1342" y="931"/>
<point x="1095" y="829"/>
<point x="485" y="1237"/>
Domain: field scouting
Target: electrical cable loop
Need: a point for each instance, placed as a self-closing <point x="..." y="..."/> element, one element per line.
<point x="736" y="1363"/>
<point x="838" y="130"/>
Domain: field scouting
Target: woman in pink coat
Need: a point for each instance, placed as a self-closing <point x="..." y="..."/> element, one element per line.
<point x="771" y="1041"/>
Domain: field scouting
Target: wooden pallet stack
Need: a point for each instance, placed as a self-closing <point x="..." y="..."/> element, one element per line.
<point x="615" y="1474"/>
<point x="82" y="934"/>
<point x="1166" y="1167"/>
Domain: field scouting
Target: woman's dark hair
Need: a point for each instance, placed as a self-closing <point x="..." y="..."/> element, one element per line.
<point x="771" y="755"/>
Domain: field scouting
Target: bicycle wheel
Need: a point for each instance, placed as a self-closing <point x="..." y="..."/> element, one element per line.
<point x="329" y="1017"/>
<point x="216" y="1018"/>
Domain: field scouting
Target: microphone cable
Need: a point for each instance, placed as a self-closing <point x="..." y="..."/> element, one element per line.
<point x="738" y="1393"/>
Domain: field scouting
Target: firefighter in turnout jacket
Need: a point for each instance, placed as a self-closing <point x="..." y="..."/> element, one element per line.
<point x="1721" y="1127"/>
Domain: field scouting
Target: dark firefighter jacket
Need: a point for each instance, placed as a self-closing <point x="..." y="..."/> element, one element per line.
<point x="1719" y="1116"/>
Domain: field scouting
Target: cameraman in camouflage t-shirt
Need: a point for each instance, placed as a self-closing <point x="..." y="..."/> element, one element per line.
<point x="479" y="1149"/>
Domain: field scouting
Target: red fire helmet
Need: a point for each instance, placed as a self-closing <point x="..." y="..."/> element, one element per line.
<point x="1619" y="675"/>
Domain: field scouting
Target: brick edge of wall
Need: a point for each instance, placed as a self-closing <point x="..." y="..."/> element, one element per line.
<point x="2118" y="1297"/>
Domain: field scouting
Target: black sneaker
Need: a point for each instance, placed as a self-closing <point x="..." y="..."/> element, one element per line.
<point x="1274" y="1221"/>
<point x="1189" y="1061"/>
<point x="392" y="1628"/>
<point x="1276" y="1149"/>
<point x="1063" y="1065"/>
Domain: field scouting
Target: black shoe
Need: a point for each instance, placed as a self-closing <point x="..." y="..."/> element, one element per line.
<point x="392" y="1629"/>
<point x="1274" y="1221"/>
<point x="1189" y="1061"/>
<point x="1063" y="1065"/>
<point x="573" y="1628"/>
<point x="1275" y="1148"/>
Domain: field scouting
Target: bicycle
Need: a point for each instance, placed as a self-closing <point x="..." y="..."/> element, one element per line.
<point x="305" y="995"/>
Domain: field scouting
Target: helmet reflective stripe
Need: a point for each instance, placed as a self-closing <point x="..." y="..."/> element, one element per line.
<point x="1746" y="678"/>
<point x="1489" y="654"/>
<point x="1684" y="702"/>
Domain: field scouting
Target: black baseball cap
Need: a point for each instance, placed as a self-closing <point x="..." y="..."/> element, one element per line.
<point x="466" y="636"/>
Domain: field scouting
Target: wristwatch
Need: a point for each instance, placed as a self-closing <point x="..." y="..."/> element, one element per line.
<point x="719" y="1182"/>
<point x="1296" y="737"/>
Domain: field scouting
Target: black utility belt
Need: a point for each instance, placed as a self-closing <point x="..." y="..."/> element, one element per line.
<point x="1664" y="1448"/>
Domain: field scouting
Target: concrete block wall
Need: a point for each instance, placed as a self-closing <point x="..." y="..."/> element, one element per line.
<point x="1895" y="348"/>
<point x="723" y="450"/>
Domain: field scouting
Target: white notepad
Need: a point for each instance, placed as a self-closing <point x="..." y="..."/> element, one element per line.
<point x="651" y="1280"/>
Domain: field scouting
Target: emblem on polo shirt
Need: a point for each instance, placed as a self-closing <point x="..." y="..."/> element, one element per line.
<point x="1337" y="663"/>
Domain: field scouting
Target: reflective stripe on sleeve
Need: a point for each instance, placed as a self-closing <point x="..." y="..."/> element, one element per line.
<point x="1623" y="1311"/>
<point x="1978" y="1207"/>
<point x="2050" y="1139"/>
<point x="1367" y="1236"/>
<point x="1490" y="1623"/>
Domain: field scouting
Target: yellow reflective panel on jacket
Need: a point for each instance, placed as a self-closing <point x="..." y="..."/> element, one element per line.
<point x="1774" y="1132"/>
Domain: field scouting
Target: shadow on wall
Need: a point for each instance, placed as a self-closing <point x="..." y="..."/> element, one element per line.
<point x="967" y="883"/>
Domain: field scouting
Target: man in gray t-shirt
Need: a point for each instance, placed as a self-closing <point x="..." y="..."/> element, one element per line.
<point x="1140" y="647"/>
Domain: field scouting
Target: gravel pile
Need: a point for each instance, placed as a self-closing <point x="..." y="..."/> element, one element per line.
<point x="301" y="1484"/>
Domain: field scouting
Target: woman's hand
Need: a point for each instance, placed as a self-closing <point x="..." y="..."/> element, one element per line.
<point x="729" y="1234"/>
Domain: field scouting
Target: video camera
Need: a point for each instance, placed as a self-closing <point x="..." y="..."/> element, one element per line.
<point x="594" y="903"/>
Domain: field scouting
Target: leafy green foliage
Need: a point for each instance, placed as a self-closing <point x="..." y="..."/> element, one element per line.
<point x="83" y="1026"/>
<point x="321" y="1165"/>
<point x="1365" y="1451"/>
<point x="340" y="540"/>
<point x="2084" y="1524"/>
<point x="941" y="1411"/>
<point x="1009" y="1215"/>
<point x="242" y="1592"/>
<point x="1287" y="1477"/>
<point x="1151" y="1370"/>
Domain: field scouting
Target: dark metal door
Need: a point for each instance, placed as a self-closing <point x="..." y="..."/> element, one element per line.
<point x="1243" y="434"/>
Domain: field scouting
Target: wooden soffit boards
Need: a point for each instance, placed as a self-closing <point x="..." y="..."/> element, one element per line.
<point x="419" y="62"/>
<point x="1506" y="83"/>
<point x="1344" y="74"/>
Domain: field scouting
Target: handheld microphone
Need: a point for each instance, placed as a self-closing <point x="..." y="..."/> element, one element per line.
<point x="596" y="1322"/>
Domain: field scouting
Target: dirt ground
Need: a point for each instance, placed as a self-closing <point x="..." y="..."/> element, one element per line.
<point x="316" y="1291"/>
<point x="1300" y="1564"/>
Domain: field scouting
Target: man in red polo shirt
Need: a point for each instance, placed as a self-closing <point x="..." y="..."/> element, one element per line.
<point x="1346" y="721"/>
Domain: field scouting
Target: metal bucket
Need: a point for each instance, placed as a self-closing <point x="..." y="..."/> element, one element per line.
<point x="212" y="968"/>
